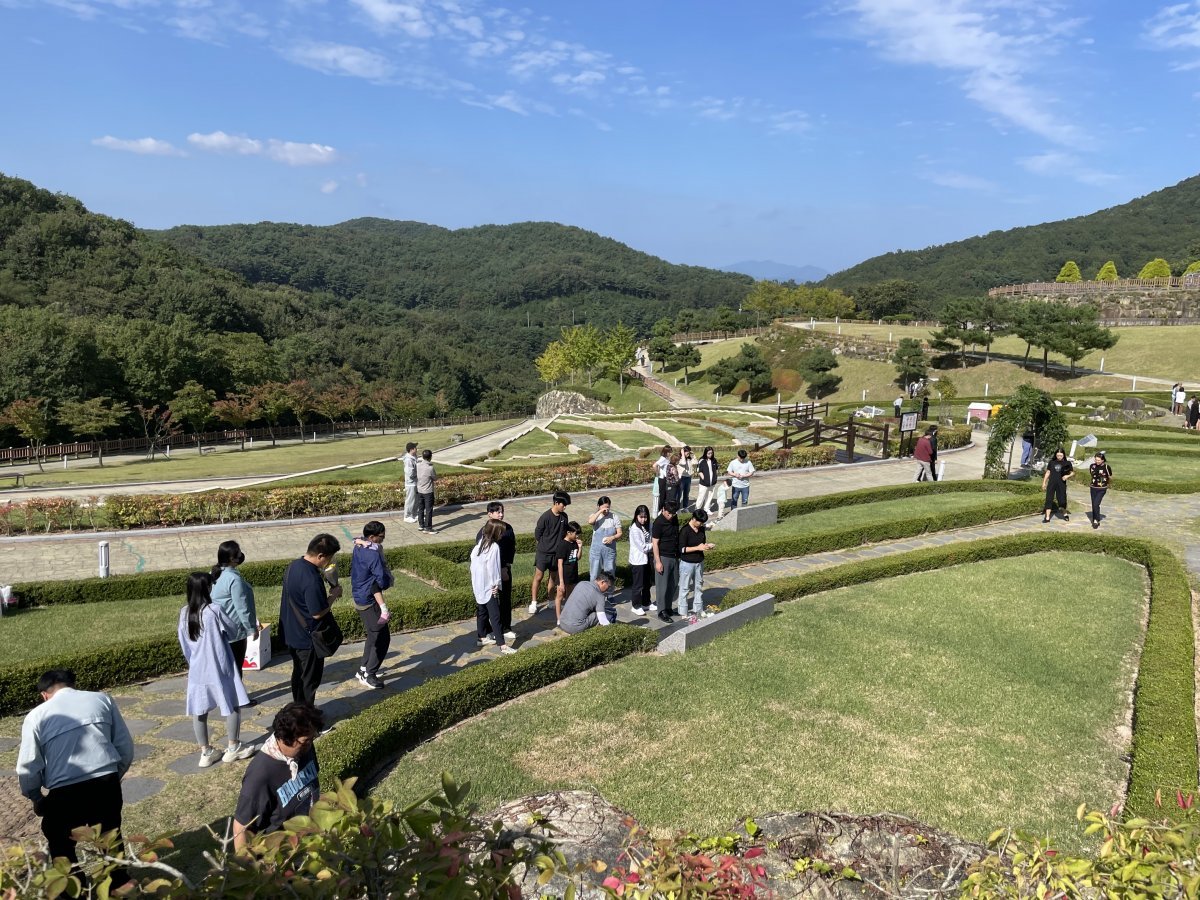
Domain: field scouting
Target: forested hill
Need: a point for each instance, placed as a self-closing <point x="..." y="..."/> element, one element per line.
<point x="410" y="264"/>
<point x="1165" y="223"/>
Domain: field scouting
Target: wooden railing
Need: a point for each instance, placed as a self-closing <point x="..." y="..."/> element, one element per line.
<point x="1080" y="288"/>
<point x="653" y="385"/>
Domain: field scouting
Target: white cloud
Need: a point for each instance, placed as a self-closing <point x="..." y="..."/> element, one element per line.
<point x="409" y="18"/>
<point x="1174" y="27"/>
<point x="341" y="59"/>
<point x="792" y="121"/>
<point x="361" y="179"/>
<point x="1058" y="164"/>
<point x="295" y="154"/>
<point x="291" y="153"/>
<point x="220" y="142"/>
<point x="146" y="146"/>
<point x="328" y="187"/>
<point x="472" y="25"/>
<point x="960" y="181"/>
<point x="510" y="101"/>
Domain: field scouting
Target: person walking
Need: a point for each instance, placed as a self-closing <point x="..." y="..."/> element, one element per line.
<point x="1193" y="412"/>
<point x="897" y="406"/>
<point x="932" y="431"/>
<point x="589" y="605"/>
<point x="410" y="482"/>
<point x="304" y="603"/>
<point x="687" y="468"/>
<point x="211" y="679"/>
<point x="234" y="596"/>
<point x="707" y="471"/>
<point x="1054" y="483"/>
<point x="641" y="564"/>
<point x="369" y="578"/>
<point x="425" y="479"/>
<point x="923" y="454"/>
<point x="925" y="409"/>
<point x="664" y="541"/>
<point x="547" y="535"/>
<point x="1028" y="437"/>
<point x="693" y="542"/>
<point x="606" y="531"/>
<point x="485" y="584"/>
<point x="741" y="470"/>
<point x="77" y="747"/>
<point x="508" y="553"/>
<point x="1100" y="473"/>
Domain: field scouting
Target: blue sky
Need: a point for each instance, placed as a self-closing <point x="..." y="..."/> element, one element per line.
<point x="703" y="132"/>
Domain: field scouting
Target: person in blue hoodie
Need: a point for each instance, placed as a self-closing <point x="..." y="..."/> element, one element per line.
<point x="369" y="578"/>
<point x="235" y="597"/>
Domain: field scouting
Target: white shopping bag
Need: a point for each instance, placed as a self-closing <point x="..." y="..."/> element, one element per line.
<point x="258" y="652"/>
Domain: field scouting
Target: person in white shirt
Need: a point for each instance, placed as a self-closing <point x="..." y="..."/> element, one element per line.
<point x="661" y="465"/>
<point x="485" y="584"/>
<point x="641" y="566"/>
<point x="410" y="482"/>
<point x="741" y="470"/>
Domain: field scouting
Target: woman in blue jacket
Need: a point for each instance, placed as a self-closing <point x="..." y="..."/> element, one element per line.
<point x="235" y="597"/>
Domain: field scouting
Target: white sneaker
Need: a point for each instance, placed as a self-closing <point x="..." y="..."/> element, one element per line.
<point x="507" y="650"/>
<point x="708" y="615"/>
<point x="238" y="751"/>
<point x="410" y="520"/>
<point x="533" y="607"/>
<point x="637" y="611"/>
<point x="209" y="756"/>
<point x="486" y="640"/>
<point x="510" y="635"/>
<point x="653" y="607"/>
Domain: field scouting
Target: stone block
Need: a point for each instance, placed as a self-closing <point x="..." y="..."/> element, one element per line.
<point x="705" y="630"/>
<point x="134" y="790"/>
<point x="743" y="518"/>
<point x="1133" y="404"/>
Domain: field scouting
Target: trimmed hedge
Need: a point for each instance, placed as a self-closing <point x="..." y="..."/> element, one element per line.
<point x="371" y="739"/>
<point x="1164" y="727"/>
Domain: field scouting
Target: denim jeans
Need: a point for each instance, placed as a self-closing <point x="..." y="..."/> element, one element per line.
<point x="601" y="557"/>
<point x="685" y="490"/>
<point x="691" y="581"/>
<point x="744" y="493"/>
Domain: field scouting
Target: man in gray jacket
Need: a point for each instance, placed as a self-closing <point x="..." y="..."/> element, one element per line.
<point x="588" y="605"/>
<point x="425" y="479"/>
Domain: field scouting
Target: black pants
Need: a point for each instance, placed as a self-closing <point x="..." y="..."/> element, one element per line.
<point x="487" y="619"/>
<point x="1097" y="499"/>
<point x="239" y="654"/>
<point x="663" y="495"/>
<point x="642" y="579"/>
<point x="378" y="639"/>
<point x="1056" y="492"/>
<point x="504" y="598"/>
<point x="307" y="669"/>
<point x="425" y="511"/>
<point x="96" y="801"/>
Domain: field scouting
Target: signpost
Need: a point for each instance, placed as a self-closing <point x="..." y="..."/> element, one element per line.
<point x="908" y="425"/>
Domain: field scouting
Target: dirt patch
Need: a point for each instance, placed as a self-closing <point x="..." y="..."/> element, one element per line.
<point x="18" y="824"/>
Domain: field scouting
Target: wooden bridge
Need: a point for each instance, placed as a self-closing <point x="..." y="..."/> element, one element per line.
<point x="802" y="427"/>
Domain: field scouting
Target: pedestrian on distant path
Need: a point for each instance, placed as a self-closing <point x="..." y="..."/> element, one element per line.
<point x="707" y="471"/>
<point x="281" y="782"/>
<point x="660" y="476"/>
<point x="1027" y="440"/>
<point x="425" y="479"/>
<point x="1058" y="472"/>
<point x="606" y="531"/>
<point x="369" y="578"/>
<point x="410" y="482"/>
<point x="932" y="431"/>
<point x="485" y="584"/>
<point x="566" y="562"/>
<point x="693" y="542"/>
<point x="547" y="534"/>
<point x="923" y="454"/>
<point x="77" y="747"/>
<point x="211" y="680"/>
<point x="1193" y="412"/>
<point x="234" y="596"/>
<point x="741" y="469"/>
<point x="924" y="409"/>
<point x="641" y="563"/>
<point x="1101" y="474"/>
<point x="304" y="603"/>
<point x="664" y="541"/>
<point x="898" y="405"/>
<point x="687" y="469"/>
<point x="589" y="605"/>
<point x="508" y="553"/>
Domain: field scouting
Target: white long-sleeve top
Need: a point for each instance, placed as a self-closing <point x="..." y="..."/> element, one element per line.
<point x="485" y="572"/>
<point x="639" y="545"/>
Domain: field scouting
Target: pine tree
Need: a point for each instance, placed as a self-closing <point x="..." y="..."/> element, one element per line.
<point x="1156" y="268"/>
<point x="1108" y="272"/>
<point x="1069" y="272"/>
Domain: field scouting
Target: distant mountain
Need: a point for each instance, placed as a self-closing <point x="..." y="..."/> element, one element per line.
<point x="769" y="270"/>
<point x="1165" y="223"/>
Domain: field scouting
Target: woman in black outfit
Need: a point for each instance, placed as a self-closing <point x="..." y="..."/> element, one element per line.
<point x="707" y="471"/>
<point x="1193" y="413"/>
<point x="1101" y="473"/>
<point x="1054" y="483"/>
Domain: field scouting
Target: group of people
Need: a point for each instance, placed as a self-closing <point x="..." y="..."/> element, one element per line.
<point x="674" y="473"/>
<point x="1182" y="406"/>
<point x="1059" y="470"/>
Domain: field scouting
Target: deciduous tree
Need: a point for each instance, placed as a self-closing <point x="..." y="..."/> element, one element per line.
<point x="239" y="410"/>
<point x="193" y="404"/>
<point x="273" y="400"/>
<point x="30" y="417"/>
<point x="617" y="352"/>
<point x="91" y="418"/>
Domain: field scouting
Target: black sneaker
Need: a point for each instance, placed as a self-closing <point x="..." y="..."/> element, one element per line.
<point x="663" y="617"/>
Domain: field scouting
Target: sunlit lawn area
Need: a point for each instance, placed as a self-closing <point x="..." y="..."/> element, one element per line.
<point x="634" y="398"/>
<point x="970" y="698"/>
<point x="261" y="459"/>
<point x="693" y="433"/>
<point x="1150" y="468"/>
<point x="627" y="440"/>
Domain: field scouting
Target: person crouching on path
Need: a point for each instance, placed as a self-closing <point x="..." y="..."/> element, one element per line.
<point x="566" y="560"/>
<point x="211" y="680"/>
<point x="369" y="578"/>
<point x="508" y="553"/>
<point x="1054" y="483"/>
<point x="1101" y="474"/>
<point x="485" y="583"/>
<point x="547" y="535"/>
<point x="588" y="605"/>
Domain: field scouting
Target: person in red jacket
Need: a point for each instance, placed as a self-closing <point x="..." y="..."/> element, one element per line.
<point x="923" y="454"/>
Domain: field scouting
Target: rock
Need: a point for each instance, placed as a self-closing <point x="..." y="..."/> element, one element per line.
<point x="559" y="403"/>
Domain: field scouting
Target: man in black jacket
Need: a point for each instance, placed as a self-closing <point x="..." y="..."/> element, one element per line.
<point x="548" y="534"/>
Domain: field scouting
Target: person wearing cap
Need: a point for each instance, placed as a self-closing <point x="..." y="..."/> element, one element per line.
<point x="1101" y="474"/>
<point x="548" y="534"/>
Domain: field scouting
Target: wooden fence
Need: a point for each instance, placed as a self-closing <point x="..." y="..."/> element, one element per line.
<point x="1084" y="288"/>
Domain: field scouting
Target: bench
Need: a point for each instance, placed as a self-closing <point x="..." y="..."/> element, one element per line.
<point x="18" y="478"/>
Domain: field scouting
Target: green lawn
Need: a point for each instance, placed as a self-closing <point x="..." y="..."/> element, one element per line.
<point x="1150" y="468"/>
<point x="626" y="440"/>
<point x="378" y="474"/>
<point x="634" y="399"/>
<point x="532" y="442"/>
<point x="969" y="698"/>
<point x="84" y="626"/>
<point x="691" y="433"/>
<point x="262" y="459"/>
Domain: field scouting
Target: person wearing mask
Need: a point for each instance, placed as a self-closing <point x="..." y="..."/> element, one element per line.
<point x="485" y="583"/>
<point x="234" y="596"/>
<point x="425" y="479"/>
<point x="707" y="470"/>
<point x="588" y="605"/>
<point x="741" y="470"/>
<point x="410" y="482"/>
<point x="77" y="747"/>
<point x="1054" y="483"/>
<point x="304" y="602"/>
<point x="566" y="562"/>
<point x="369" y="578"/>
<point x="664" y="541"/>
<point x="1101" y="474"/>
<point x="660" y="476"/>
<point x="606" y="531"/>
<point x="508" y="553"/>
<point x="283" y="781"/>
<point x="211" y="680"/>
<point x="641" y="563"/>
<point x="547" y="535"/>
<point x="693" y="542"/>
<point x="687" y="469"/>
